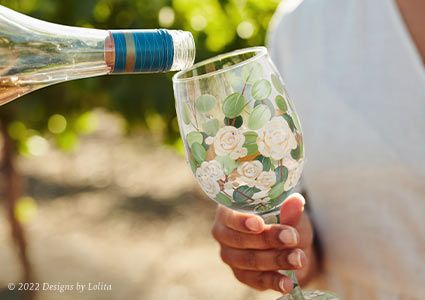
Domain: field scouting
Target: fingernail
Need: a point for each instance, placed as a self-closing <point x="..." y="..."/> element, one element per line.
<point x="282" y="285"/>
<point x="288" y="237"/>
<point x="301" y="197"/>
<point x="286" y="285"/>
<point x="253" y="224"/>
<point x="294" y="258"/>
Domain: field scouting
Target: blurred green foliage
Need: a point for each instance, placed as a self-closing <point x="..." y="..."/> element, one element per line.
<point x="61" y="113"/>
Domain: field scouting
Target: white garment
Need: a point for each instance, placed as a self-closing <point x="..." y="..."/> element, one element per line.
<point x="358" y="83"/>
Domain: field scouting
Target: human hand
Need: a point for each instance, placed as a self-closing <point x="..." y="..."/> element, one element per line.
<point x="256" y="251"/>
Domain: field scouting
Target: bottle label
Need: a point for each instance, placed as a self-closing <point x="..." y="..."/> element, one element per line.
<point x="142" y="51"/>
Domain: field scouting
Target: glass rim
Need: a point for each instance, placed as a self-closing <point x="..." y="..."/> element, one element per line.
<point x="259" y="51"/>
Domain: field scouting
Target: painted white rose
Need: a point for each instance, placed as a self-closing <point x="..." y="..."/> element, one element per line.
<point x="249" y="171"/>
<point x="260" y="197"/>
<point x="213" y="170"/>
<point x="275" y="139"/>
<point x="229" y="141"/>
<point x="266" y="180"/>
<point x="294" y="175"/>
<point x="208" y="185"/>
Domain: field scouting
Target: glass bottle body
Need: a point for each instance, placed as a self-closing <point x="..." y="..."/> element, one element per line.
<point x="35" y="53"/>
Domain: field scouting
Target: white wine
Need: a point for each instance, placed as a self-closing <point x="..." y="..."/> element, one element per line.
<point x="35" y="53"/>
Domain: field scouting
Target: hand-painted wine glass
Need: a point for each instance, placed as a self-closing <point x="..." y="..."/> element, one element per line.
<point x="242" y="136"/>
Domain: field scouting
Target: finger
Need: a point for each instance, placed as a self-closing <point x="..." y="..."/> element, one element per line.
<point x="263" y="260"/>
<point x="274" y="236"/>
<point x="292" y="209"/>
<point x="239" y="221"/>
<point x="305" y="231"/>
<point x="303" y="273"/>
<point x="265" y="280"/>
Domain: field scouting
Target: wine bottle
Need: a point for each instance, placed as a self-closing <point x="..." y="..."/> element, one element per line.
<point x="35" y="53"/>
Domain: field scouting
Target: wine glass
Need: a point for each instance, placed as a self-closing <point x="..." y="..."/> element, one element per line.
<point x="242" y="136"/>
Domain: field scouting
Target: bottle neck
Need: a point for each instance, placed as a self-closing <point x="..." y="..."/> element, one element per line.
<point x="148" y="51"/>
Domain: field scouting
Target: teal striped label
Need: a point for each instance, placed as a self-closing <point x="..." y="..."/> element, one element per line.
<point x="139" y="51"/>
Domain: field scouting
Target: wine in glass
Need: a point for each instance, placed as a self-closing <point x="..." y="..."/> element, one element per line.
<point x="242" y="135"/>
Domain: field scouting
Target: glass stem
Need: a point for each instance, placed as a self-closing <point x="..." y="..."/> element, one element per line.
<point x="296" y="293"/>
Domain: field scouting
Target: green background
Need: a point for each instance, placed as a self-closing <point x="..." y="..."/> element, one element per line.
<point x="62" y="113"/>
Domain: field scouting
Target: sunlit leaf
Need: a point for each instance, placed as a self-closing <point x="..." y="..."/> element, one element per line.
<point x="25" y="209"/>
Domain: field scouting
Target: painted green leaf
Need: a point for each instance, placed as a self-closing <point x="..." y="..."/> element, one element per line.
<point x="194" y="137"/>
<point x="252" y="73"/>
<point x="266" y="161"/>
<point x="233" y="105"/>
<point x="235" y="122"/>
<point x="244" y="193"/>
<point x="268" y="103"/>
<point x="204" y="144"/>
<point x="296" y="121"/>
<point x="186" y="114"/>
<point x="279" y="200"/>
<point x="223" y="199"/>
<point x="298" y="152"/>
<point x="261" y="89"/>
<point x="281" y="103"/>
<point x="250" y="137"/>
<point x="199" y="153"/>
<point x="251" y="142"/>
<point x="193" y="164"/>
<point x="235" y="80"/>
<point x="259" y="117"/>
<point x="258" y="102"/>
<point x="227" y="164"/>
<point x="270" y="106"/>
<point x="251" y="148"/>
<point x="281" y="174"/>
<point x="277" y="84"/>
<point x="262" y="208"/>
<point x="277" y="190"/>
<point x="205" y="103"/>
<point x="211" y="127"/>
<point x="290" y="122"/>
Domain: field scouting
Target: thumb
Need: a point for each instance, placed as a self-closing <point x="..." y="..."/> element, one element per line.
<point x="292" y="209"/>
